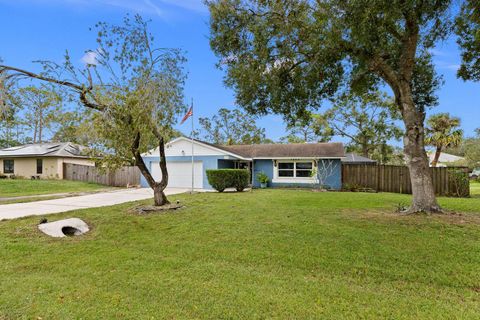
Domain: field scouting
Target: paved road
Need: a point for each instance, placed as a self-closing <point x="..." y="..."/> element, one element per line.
<point x="40" y="208"/>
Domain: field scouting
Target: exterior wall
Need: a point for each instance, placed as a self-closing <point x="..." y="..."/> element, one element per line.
<point x="27" y="167"/>
<point x="265" y="166"/>
<point x="334" y="181"/>
<point x="52" y="166"/>
<point x="209" y="162"/>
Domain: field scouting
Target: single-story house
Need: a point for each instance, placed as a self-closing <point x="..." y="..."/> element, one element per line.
<point x="352" y="158"/>
<point x="287" y="165"/>
<point x="43" y="160"/>
<point x="445" y="159"/>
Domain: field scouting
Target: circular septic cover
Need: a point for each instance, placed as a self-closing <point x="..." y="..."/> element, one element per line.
<point x="63" y="228"/>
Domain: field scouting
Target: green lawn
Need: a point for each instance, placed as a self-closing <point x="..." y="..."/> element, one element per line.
<point x="22" y="187"/>
<point x="475" y="189"/>
<point x="269" y="254"/>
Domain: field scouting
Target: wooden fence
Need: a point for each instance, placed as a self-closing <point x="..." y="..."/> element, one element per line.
<point x="385" y="178"/>
<point x="125" y="176"/>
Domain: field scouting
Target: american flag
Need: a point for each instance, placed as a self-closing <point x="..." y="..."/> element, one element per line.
<point x="187" y="115"/>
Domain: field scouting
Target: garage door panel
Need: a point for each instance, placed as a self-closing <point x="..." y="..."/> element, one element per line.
<point x="180" y="174"/>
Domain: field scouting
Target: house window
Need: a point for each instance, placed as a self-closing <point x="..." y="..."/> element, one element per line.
<point x="303" y="169"/>
<point x="39" y="166"/>
<point x="8" y="166"/>
<point x="295" y="169"/>
<point x="286" y="169"/>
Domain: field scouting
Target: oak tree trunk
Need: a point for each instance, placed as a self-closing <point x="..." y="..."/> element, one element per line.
<point x="424" y="199"/>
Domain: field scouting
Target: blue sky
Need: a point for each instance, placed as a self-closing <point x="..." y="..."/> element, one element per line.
<point x="43" y="29"/>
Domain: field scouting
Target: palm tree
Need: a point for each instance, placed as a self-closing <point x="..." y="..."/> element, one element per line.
<point x="443" y="132"/>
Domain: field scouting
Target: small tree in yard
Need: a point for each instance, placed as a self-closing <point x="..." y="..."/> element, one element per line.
<point x="443" y="132"/>
<point x="134" y="90"/>
<point x="287" y="56"/>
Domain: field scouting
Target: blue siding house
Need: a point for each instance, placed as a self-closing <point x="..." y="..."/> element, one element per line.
<point x="286" y="165"/>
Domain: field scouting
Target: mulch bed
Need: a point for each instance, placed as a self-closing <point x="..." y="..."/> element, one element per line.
<point x="156" y="209"/>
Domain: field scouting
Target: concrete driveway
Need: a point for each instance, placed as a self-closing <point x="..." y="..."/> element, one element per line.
<point x="40" y="208"/>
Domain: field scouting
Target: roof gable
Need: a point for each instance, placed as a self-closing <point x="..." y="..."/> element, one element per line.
<point x="182" y="146"/>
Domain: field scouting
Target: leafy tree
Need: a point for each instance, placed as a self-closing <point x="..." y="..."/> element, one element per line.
<point x="287" y="56"/>
<point x="469" y="148"/>
<point x="468" y="29"/>
<point x="472" y="152"/>
<point x="40" y="105"/>
<point x="443" y="132"/>
<point x="75" y="126"/>
<point x="134" y="90"/>
<point x="292" y="138"/>
<point x="368" y="120"/>
<point x="314" y="128"/>
<point x="10" y="125"/>
<point x="231" y="127"/>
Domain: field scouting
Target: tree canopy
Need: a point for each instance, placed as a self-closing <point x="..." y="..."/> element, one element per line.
<point x="368" y="121"/>
<point x="468" y="30"/>
<point x="229" y="127"/>
<point x="314" y="128"/>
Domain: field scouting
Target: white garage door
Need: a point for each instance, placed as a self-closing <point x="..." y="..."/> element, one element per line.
<point x="180" y="174"/>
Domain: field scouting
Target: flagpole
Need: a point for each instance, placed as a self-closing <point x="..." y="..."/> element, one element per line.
<point x="191" y="136"/>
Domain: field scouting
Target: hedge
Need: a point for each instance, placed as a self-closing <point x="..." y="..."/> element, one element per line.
<point x="221" y="179"/>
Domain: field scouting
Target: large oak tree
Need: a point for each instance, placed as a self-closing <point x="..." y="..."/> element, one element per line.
<point x="287" y="56"/>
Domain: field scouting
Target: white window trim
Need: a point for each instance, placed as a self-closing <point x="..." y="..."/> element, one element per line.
<point x="306" y="180"/>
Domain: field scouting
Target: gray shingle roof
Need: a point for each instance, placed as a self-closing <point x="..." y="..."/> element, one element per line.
<point x="355" y="158"/>
<point x="65" y="150"/>
<point x="291" y="150"/>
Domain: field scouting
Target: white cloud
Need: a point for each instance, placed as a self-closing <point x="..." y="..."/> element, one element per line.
<point x="438" y="53"/>
<point x="90" y="58"/>
<point x="447" y="65"/>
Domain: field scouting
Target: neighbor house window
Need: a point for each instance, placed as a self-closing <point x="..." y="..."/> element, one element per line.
<point x="39" y="166"/>
<point x="8" y="166"/>
<point x="295" y="169"/>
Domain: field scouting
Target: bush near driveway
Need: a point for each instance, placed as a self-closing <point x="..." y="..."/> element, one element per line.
<point x="220" y="179"/>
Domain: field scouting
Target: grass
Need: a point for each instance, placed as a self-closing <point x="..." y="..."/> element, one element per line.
<point x="23" y="187"/>
<point x="475" y="189"/>
<point x="267" y="254"/>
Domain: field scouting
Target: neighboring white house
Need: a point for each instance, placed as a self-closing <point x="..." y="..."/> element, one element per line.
<point x="445" y="159"/>
<point x="43" y="160"/>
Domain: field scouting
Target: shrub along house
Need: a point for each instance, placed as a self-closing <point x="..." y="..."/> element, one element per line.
<point x="286" y="165"/>
<point x="42" y="160"/>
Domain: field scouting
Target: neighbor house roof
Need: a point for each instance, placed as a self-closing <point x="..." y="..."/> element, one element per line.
<point x="445" y="157"/>
<point x="64" y="150"/>
<point x="355" y="158"/>
<point x="291" y="150"/>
